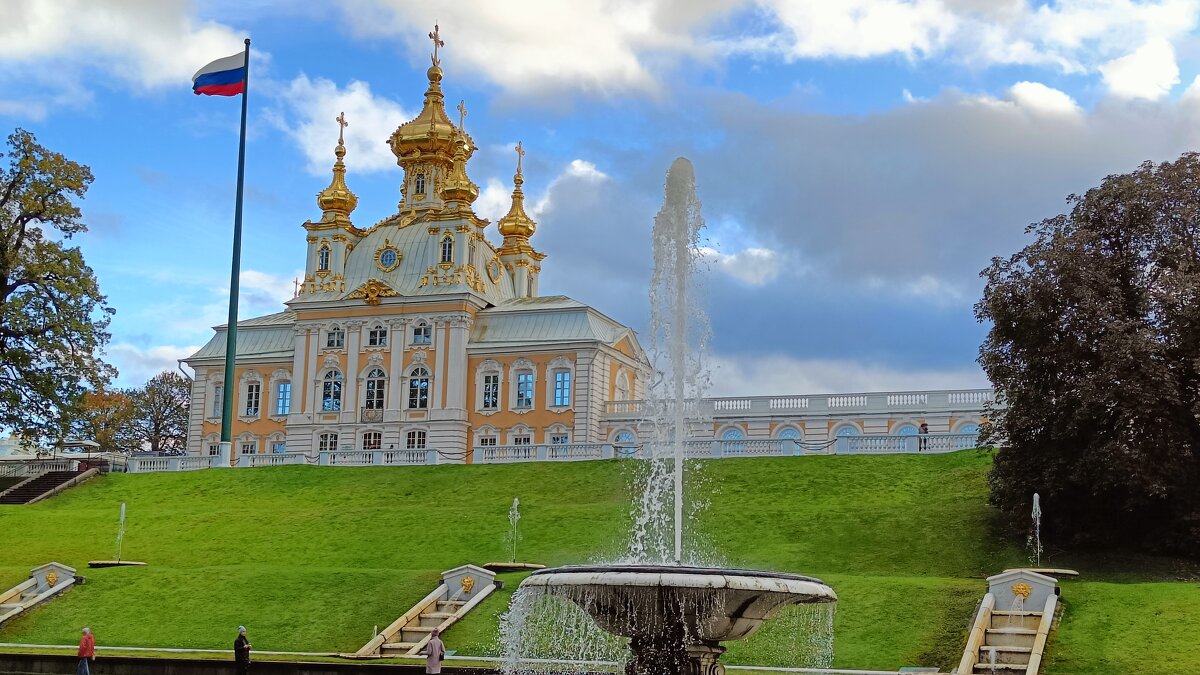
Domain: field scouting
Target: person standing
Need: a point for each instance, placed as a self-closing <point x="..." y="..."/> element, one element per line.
<point x="241" y="651"/>
<point x="435" y="651"/>
<point x="923" y="433"/>
<point x="87" y="652"/>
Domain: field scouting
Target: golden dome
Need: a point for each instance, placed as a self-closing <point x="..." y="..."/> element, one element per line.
<point x="516" y="225"/>
<point x="458" y="186"/>
<point x="337" y="201"/>
<point x="431" y="132"/>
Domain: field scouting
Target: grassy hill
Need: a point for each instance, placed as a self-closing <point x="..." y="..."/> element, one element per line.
<point x="311" y="559"/>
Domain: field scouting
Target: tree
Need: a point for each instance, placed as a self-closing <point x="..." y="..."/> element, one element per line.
<point x="53" y="319"/>
<point x="162" y="412"/>
<point x="108" y="418"/>
<point x="1095" y="350"/>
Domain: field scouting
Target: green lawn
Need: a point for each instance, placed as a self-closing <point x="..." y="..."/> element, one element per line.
<point x="311" y="559"/>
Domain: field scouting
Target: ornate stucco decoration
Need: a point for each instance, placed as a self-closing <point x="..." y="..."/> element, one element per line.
<point x="1022" y="590"/>
<point x="372" y="291"/>
<point x="467" y="584"/>
<point x="388" y="256"/>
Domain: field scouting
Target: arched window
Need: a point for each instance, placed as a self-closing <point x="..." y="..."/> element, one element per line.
<point x="447" y="249"/>
<point x="377" y="336"/>
<point x="731" y="436"/>
<point x="418" y="389"/>
<point x="376" y="383"/>
<point x="420" y="183"/>
<point x="789" y="433"/>
<point x="622" y="388"/>
<point x="335" y="338"/>
<point x="422" y="334"/>
<point x="906" y="430"/>
<point x="968" y="429"/>
<point x="471" y="251"/>
<point x="372" y="440"/>
<point x="625" y="443"/>
<point x="415" y="440"/>
<point x="323" y="258"/>
<point x="331" y="392"/>
<point x="328" y="442"/>
<point x="848" y="431"/>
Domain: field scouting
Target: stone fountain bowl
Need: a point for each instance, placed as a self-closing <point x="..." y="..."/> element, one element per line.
<point x="707" y="604"/>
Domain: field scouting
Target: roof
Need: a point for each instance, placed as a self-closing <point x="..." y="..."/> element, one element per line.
<point x="546" y="320"/>
<point x="269" y="336"/>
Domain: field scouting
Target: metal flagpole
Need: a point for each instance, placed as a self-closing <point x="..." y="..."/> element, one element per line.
<point x="227" y="389"/>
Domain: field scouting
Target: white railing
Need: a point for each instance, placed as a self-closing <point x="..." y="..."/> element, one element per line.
<point x="405" y="457"/>
<point x="554" y="452"/>
<point x="408" y="457"/>
<point x="194" y="463"/>
<point x="908" y="402"/>
<point x="36" y="467"/>
<point x="347" y="458"/>
<point x="159" y="464"/>
<point x="271" y="459"/>
<point x="917" y="443"/>
<point x="567" y="452"/>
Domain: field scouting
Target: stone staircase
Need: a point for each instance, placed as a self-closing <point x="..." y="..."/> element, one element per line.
<point x="462" y="588"/>
<point x="1011" y="641"/>
<point x="37" y="488"/>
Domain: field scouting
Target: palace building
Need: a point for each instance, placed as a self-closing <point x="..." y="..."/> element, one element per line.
<point x="417" y="332"/>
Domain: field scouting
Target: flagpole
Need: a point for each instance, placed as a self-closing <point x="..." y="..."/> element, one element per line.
<point x="228" y="391"/>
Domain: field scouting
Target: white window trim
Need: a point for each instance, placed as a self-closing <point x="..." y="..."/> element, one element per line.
<point x="364" y="377"/>
<point x="622" y="373"/>
<point x="489" y="367"/>
<point x="559" y="364"/>
<point x="518" y="430"/>
<point x="521" y="366"/>
<point x="319" y="399"/>
<point x="249" y="377"/>
<point x="779" y="431"/>
<point x="486" y="431"/>
<point x="320" y="432"/>
<point x="214" y="412"/>
<point x="404" y="437"/>
<point x="244" y="439"/>
<point x="731" y="427"/>
<point x="407" y="382"/>
<point x="837" y="429"/>
<point x="387" y="336"/>
<point x="411" y="337"/>
<point x="558" y="430"/>
<point x="272" y="400"/>
<point x="325" y="347"/>
<point x="362" y="439"/>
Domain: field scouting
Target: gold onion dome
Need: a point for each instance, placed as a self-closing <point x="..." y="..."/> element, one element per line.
<point x="337" y="201"/>
<point x="516" y="225"/>
<point x="431" y="132"/>
<point x="459" y="186"/>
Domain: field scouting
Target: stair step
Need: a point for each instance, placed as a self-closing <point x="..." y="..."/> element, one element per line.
<point x="1011" y="612"/>
<point x="987" y="668"/>
<point x="437" y="615"/>
<point x="451" y="603"/>
<point x="405" y="646"/>
<point x="418" y="629"/>
<point x="1009" y="636"/>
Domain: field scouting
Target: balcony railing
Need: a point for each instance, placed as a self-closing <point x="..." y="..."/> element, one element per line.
<point x="866" y="403"/>
<point x="405" y="457"/>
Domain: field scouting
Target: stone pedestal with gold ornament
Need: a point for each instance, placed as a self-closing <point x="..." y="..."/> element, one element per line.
<point x="44" y="582"/>
<point x="1021" y="589"/>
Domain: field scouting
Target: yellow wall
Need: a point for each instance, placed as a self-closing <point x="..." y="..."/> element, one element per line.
<point x="261" y="427"/>
<point x="536" y="419"/>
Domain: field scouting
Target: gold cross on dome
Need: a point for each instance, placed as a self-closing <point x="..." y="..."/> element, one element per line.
<point x="462" y="114"/>
<point x="342" y="124"/>
<point x="520" y="153"/>
<point x="296" y="283"/>
<point x="437" y="42"/>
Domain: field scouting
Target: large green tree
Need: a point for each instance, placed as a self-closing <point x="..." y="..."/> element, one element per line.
<point x="53" y="319"/>
<point x="162" y="412"/>
<point x="1095" y="350"/>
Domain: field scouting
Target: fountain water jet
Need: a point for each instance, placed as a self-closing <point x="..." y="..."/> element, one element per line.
<point x="674" y="616"/>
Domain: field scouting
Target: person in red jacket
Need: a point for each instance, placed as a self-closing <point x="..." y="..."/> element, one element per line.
<point x="87" y="652"/>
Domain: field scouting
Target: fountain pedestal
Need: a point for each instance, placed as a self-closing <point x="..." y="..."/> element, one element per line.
<point x="676" y="617"/>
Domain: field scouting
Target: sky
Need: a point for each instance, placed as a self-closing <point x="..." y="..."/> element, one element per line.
<point x="859" y="161"/>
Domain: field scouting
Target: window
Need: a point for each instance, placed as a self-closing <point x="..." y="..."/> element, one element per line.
<point x="377" y="337"/>
<point x="422" y="334"/>
<point x="253" y="397"/>
<point x="214" y="449"/>
<point x="250" y="448"/>
<point x="491" y="391"/>
<point x="847" y="431"/>
<point x="789" y="433"/>
<point x="418" y="389"/>
<point x="732" y="436"/>
<point x="372" y="440"/>
<point x="323" y="258"/>
<point x="335" y="338"/>
<point x="218" y="400"/>
<point x="487" y="441"/>
<point x="523" y="439"/>
<point x="622" y="388"/>
<point x="471" y="251"/>
<point x="278" y="446"/>
<point x="562" y="388"/>
<point x="420" y="181"/>
<point x="559" y="439"/>
<point x="283" y="397"/>
<point x="331" y="392"/>
<point x="376" y="381"/>
<point x="415" y="440"/>
<point x="524" y="390"/>
<point x="328" y="443"/>
<point x="447" y="249"/>
<point x="906" y="430"/>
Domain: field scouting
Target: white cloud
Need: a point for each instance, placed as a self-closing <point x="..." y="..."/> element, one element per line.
<point x="577" y="171"/>
<point x="265" y="292"/>
<point x="136" y="365"/>
<point x="860" y="28"/>
<point x="146" y="43"/>
<point x="494" y="199"/>
<point x="1149" y="73"/>
<point x="752" y="266"/>
<point x="310" y="109"/>
<point x="1039" y="97"/>
<point x="766" y="375"/>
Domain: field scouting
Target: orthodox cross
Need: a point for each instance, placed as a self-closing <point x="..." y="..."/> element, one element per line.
<point x="520" y="153"/>
<point x="462" y="114"/>
<point x="296" y="283"/>
<point x="437" y="42"/>
<point x="342" y="124"/>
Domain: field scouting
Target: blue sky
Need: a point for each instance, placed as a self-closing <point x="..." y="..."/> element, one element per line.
<point x="859" y="161"/>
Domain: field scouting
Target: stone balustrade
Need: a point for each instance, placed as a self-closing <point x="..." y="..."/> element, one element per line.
<point x="867" y="404"/>
<point x="377" y="457"/>
<point x="157" y="464"/>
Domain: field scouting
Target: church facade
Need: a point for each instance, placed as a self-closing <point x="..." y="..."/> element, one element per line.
<point x="417" y="331"/>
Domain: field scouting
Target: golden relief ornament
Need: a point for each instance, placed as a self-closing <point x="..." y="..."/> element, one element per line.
<point x="51" y="578"/>
<point x="493" y="269"/>
<point x="467" y="584"/>
<point x="388" y="256"/>
<point x="373" y="291"/>
<point x="1022" y="590"/>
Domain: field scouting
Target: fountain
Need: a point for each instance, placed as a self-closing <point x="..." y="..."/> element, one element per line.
<point x="674" y="615"/>
<point x="514" y="533"/>
<point x="1035" y="534"/>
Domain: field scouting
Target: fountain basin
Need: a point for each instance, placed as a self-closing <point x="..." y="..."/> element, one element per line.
<point x="692" y="605"/>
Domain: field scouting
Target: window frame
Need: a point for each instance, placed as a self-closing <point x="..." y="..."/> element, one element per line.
<point x="416" y="439"/>
<point x="422" y="334"/>
<point x="335" y="332"/>
<point x="253" y="399"/>
<point x="375" y="389"/>
<point x="377" y="336"/>
<point x="372" y="438"/>
<point x="446" y="248"/>
<point x="324" y="256"/>
<point x="283" y="398"/>
<point x="327" y="441"/>
<point x="561" y="377"/>
<point x="332" y="382"/>
<point x="415" y="400"/>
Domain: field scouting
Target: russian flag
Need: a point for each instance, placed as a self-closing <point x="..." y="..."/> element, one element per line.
<point x="223" y="77"/>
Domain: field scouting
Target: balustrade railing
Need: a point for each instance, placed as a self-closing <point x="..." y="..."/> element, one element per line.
<point x="271" y="459"/>
<point x="879" y="402"/>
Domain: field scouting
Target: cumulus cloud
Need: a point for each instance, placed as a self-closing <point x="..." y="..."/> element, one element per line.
<point x="751" y="266"/>
<point x="1149" y="73"/>
<point x="778" y="374"/>
<point x="136" y="365"/>
<point x="1039" y="97"/>
<point x="49" y="46"/>
<point x="307" y="113"/>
